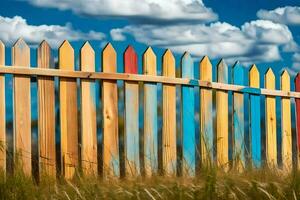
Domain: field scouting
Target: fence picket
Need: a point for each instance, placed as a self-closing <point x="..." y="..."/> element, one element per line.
<point x="169" y="117"/>
<point x="111" y="164"/>
<point x="286" y="129"/>
<point x="222" y="117"/>
<point x="88" y="113"/>
<point x="46" y="116"/>
<point x="150" y="116"/>
<point x="22" y="111"/>
<point x="297" y="109"/>
<point x="188" y="117"/>
<point x="3" y="145"/>
<point x="206" y="117"/>
<point x="68" y="112"/>
<point x="132" y="154"/>
<point x="238" y="119"/>
<point x="271" y="142"/>
<point x="255" y="127"/>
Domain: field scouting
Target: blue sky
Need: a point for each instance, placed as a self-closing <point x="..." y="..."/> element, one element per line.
<point x="258" y="31"/>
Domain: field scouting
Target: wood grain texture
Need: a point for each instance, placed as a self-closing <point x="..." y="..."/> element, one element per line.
<point x="188" y="118"/>
<point x="238" y="119"/>
<point x="255" y="126"/>
<point x="297" y="101"/>
<point x="111" y="164"/>
<point x="3" y="141"/>
<point x="22" y="111"/>
<point x="271" y="142"/>
<point x="286" y="128"/>
<point x="150" y="139"/>
<point x="169" y="153"/>
<point x="89" y="162"/>
<point x="132" y="153"/>
<point x="68" y="112"/>
<point x="222" y="118"/>
<point x="46" y="113"/>
<point x="206" y="117"/>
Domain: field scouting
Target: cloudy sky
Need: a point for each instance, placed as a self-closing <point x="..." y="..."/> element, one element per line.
<point x="265" y="32"/>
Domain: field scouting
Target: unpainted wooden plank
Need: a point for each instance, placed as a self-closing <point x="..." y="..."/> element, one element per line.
<point x="111" y="164"/>
<point x="3" y="142"/>
<point x="89" y="162"/>
<point x="238" y="119"/>
<point x="297" y="109"/>
<point x="206" y="117"/>
<point x="132" y="153"/>
<point x="188" y="118"/>
<point x="286" y="120"/>
<point x="271" y="141"/>
<point x="68" y="112"/>
<point x="46" y="113"/>
<point x="222" y="118"/>
<point x="22" y="111"/>
<point x="169" y="153"/>
<point x="150" y="138"/>
<point x="255" y="126"/>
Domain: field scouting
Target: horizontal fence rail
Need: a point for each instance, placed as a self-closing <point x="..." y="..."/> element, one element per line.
<point x="152" y="137"/>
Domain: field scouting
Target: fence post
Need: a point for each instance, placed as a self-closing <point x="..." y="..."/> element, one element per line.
<point x="286" y="129"/>
<point x="255" y="127"/>
<point x="111" y="162"/>
<point x="169" y="153"/>
<point x="88" y="113"/>
<point x="22" y="111"/>
<point x="150" y="116"/>
<point x="238" y="119"/>
<point x="222" y="118"/>
<point x="46" y="113"/>
<point x="271" y="142"/>
<point x="188" y="117"/>
<point x="68" y="112"/>
<point x="206" y="118"/>
<point x="132" y="153"/>
<point x="3" y="142"/>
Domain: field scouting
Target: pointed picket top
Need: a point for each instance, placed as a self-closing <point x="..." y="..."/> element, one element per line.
<point x="187" y="66"/>
<point x="222" y="69"/>
<point x="44" y="55"/>
<point x="130" y="60"/>
<point x="149" y="62"/>
<point x="2" y="53"/>
<point x="270" y="79"/>
<point x="109" y="59"/>
<point x="2" y="44"/>
<point x="205" y="69"/>
<point x="254" y="76"/>
<point x="285" y="81"/>
<point x="66" y="56"/>
<point x="168" y="64"/>
<point x="44" y="44"/>
<point x="21" y="53"/>
<point x="297" y="82"/>
<point x="238" y="73"/>
<point x="20" y="44"/>
<point x="87" y="57"/>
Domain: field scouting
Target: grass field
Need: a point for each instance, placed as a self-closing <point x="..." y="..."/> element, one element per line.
<point x="212" y="184"/>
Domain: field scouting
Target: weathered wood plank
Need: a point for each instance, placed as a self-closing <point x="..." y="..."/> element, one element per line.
<point x="188" y="118"/>
<point x="68" y="112"/>
<point x="132" y="154"/>
<point x="46" y="114"/>
<point x="150" y="116"/>
<point x="238" y="119"/>
<point x="286" y="128"/>
<point x="222" y="118"/>
<point x="169" y="153"/>
<point x="111" y="164"/>
<point x="297" y="101"/>
<point x="206" y="118"/>
<point x="255" y="127"/>
<point x="88" y="113"/>
<point x="22" y="111"/>
<point x="271" y="142"/>
<point x="3" y="141"/>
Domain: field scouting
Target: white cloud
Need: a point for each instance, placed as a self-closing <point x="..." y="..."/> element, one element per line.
<point x="142" y="10"/>
<point x="116" y="34"/>
<point x="284" y="15"/>
<point x="256" y="41"/>
<point x="13" y="28"/>
<point x="296" y="57"/>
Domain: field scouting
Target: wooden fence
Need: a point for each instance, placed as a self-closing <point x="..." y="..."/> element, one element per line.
<point x="146" y="152"/>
